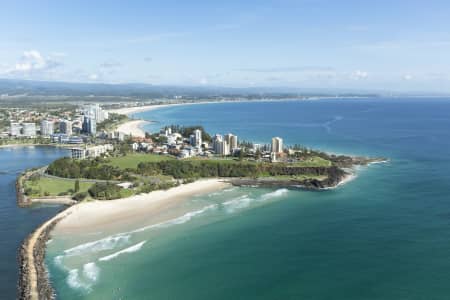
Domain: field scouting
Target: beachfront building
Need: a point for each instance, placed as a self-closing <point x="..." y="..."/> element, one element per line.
<point x="277" y="145"/>
<point x="15" y="129"/>
<point x="65" y="127"/>
<point x="94" y="111"/>
<point x="220" y="146"/>
<point x="232" y="142"/>
<point x="46" y="127"/>
<point x="196" y="138"/>
<point x="29" y="130"/>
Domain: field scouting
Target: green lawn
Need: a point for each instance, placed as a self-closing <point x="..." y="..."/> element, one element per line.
<point x="314" y="161"/>
<point x="132" y="160"/>
<point x="52" y="187"/>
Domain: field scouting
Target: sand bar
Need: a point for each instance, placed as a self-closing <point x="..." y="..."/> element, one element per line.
<point x="119" y="213"/>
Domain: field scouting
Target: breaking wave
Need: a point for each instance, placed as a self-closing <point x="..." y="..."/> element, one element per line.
<point x="131" y="249"/>
<point x="180" y="220"/>
<point x="274" y="194"/>
<point x="245" y="201"/>
<point x="107" y="243"/>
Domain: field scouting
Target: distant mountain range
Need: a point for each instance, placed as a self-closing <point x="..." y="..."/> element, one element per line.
<point x="13" y="87"/>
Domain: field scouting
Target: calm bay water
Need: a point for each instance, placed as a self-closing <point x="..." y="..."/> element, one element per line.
<point x="385" y="235"/>
<point x="16" y="223"/>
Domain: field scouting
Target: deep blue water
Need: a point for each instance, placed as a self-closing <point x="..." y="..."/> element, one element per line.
<point x="16" y="223"/>
<point x="385" y="235"/>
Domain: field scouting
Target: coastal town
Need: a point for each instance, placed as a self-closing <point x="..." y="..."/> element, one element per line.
<point x="89" y="131"/>
<point x="111" y="157"/>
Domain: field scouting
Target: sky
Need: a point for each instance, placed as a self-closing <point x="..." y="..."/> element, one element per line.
<point x="398" y="45"/>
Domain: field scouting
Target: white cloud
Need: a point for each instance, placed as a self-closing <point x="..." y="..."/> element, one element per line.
<point x="407" y="77"/>
<point x="93" y="77"/>
<point x="33" y="61"/>
<point x="359" y="75"/>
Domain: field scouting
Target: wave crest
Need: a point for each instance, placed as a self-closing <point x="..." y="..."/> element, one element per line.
<point x="131" y="249"/>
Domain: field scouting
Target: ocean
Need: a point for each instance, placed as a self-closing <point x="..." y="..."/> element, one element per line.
<point x="16" y="223"/>
<point x="384" y="235"/>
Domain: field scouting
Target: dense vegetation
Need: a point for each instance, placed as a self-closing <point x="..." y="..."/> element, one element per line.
<point x="106" y="191"/>
<point x="87" y="168"/>
<point x="127" y="168"/>
<point x="229" y="168"/>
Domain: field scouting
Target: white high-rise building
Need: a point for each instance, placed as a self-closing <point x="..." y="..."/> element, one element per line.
<point x="220" y="145"/>
<point x="65" y="126"/>
<point x="95" y="112"/>
<point x="14" y="129"/>
<point x="29" y="129"/>
<point x="277" y="145"/>
<point x="46" y="128"/>
<point x="197" y="138"/>
<point x="232" y="141"/>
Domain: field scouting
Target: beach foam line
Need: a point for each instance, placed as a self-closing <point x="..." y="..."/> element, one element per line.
<point x="274" y="194"/>
<point x="131" y="249"/>
<point x="244" y="201"/>
<point x="107" y="243"/>
<point x="237" y="203"/>
<point x="176" y="221"/>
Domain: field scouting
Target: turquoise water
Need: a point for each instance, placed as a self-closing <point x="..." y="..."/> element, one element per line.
<point x="16" y="223"/>
<point x="384" y="235"/>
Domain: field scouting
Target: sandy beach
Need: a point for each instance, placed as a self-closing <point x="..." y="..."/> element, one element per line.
<point x="116" y="214"/>
<point x="133" y="127"/>
<point x="136" y="109"/>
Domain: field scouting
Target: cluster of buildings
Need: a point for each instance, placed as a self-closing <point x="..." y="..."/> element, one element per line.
<point x="195" y="145"/>
<point x="62" y="130"/>
<point x="91" y="115"/>
<point x="225" y="145"/>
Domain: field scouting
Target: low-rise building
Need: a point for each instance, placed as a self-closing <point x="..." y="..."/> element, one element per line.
<point x="91" y="152"/>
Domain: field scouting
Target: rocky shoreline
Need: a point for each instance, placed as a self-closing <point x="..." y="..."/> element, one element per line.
<point x="308" y="184"/>
<point x="33" y="282"/>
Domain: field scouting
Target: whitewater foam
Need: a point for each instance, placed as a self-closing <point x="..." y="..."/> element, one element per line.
<point x="131" y="249"/>
<point x="274" y="194"/>
<point x="177" y="221"/>
<point x="91" y="271"/>
<point x="244" y="201"/>
<point x="237" y="203"/>
<point x="75" y="282"/>
<point x="106" y="243"/>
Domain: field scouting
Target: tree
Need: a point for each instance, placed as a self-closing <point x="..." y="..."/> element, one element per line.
<point x="241" y="154"/>
<point x="77" y="186"/>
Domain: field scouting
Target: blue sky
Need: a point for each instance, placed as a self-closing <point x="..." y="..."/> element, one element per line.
<point x="388" y="45"/>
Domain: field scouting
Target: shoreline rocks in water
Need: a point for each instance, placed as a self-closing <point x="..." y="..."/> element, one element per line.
<point x="33" y="282"/>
